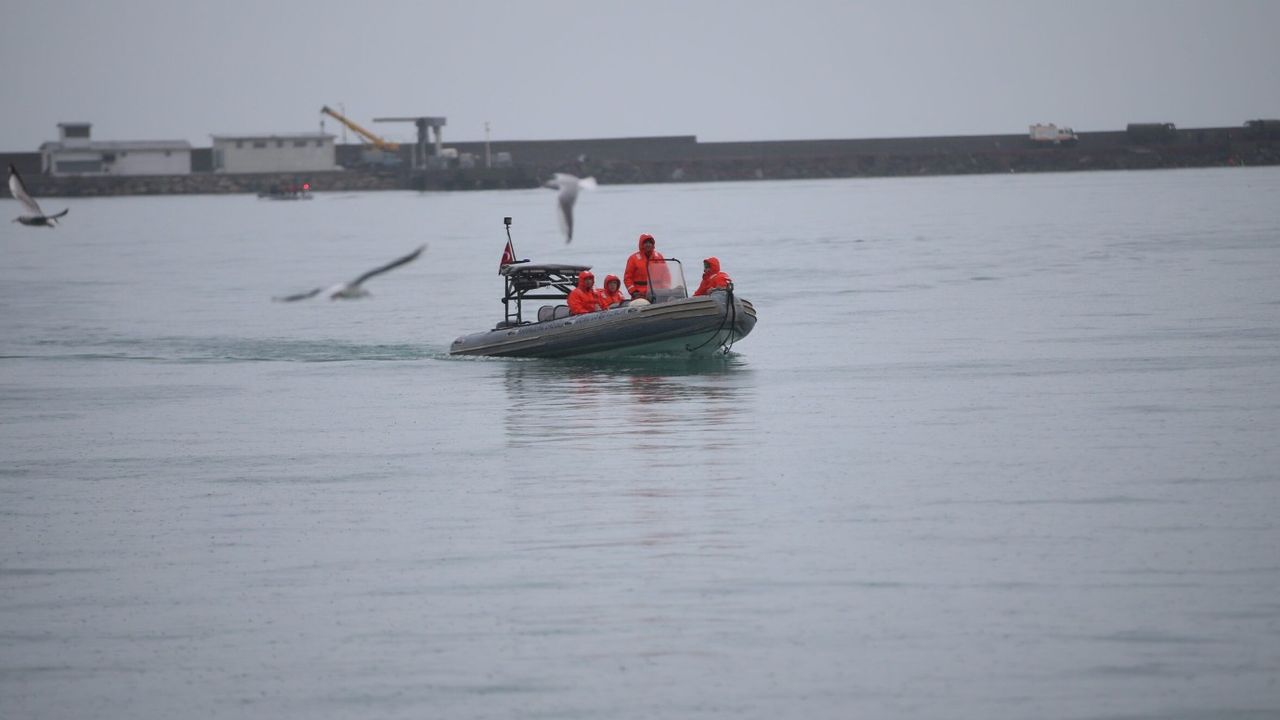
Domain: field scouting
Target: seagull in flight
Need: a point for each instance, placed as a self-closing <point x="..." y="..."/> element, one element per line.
<point x="568" y="185"/>
<point x="36" y="216"/>
<point x="352" y="290"/>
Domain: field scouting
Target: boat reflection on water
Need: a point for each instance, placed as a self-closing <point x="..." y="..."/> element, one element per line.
<point x="688" y="403"/>
<point x="617" y="463"/>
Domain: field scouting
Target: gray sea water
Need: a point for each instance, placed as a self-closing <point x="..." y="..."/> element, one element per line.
<point x="999" y="447"/>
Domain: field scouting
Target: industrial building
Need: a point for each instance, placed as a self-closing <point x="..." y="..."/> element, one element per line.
<point x="75" y="153"/>
<point x="275" y="153"/>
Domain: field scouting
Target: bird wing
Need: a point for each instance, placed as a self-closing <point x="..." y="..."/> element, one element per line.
<point x="390" y="266"/>
<point x="566" y="201"/>
<point x="298" y="296"/>
<point x="569" y="190"/>
<point x="58" y="215"/>
<point x="19" y="190"/>
<point x="569" y="185"/>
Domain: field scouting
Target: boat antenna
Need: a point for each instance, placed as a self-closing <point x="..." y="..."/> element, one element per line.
<point x="509" y="253"/>
<point x="507" y="221"/>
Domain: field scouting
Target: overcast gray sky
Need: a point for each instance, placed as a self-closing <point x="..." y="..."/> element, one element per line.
<point x="721" y="70"/>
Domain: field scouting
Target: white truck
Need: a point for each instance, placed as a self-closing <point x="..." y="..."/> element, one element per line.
<point x="1052" y="135"/>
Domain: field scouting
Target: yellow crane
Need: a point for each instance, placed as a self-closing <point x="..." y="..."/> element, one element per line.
<point x="369" y="137"/>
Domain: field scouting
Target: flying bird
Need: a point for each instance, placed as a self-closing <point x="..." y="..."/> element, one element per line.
<point x="36" y="216"/>
<point x="352" y="290"/>
<point x="568" y="185"/>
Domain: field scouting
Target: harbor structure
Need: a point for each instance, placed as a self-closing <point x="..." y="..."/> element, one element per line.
<point x="300" y="152"/>
<point x="75" y="153"/>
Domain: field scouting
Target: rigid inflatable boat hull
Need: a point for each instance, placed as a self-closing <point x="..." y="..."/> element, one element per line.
<point x="692" y="327"/>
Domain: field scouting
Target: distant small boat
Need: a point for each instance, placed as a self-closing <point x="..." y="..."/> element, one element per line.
<point x="287" y="192"/>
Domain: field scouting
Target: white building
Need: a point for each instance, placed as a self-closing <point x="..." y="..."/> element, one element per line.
<point x="277" y="153"/>
<point x="76" y="154"/>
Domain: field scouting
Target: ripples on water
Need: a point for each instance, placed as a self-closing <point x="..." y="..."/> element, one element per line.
<point x="229" y="349"/>
<point x="998" y="447"/>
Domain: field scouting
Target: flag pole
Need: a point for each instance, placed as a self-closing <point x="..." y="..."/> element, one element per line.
<point x="509" y="252"/>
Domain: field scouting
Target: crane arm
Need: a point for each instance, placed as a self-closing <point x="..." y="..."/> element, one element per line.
<point x="370" y="137"/>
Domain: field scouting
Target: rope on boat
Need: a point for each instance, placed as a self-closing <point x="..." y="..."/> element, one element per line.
<point x="733" y="311"/>
<point x="730" y="311"/>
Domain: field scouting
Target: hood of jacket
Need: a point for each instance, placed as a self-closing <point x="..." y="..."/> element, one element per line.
<point x="583" y="278"/>
<point x="607" y="280"/>
<point x="714" y="262"/>
<point x="643" y="237"/>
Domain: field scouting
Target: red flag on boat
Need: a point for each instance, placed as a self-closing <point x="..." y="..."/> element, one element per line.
<point x="508" y="256"/>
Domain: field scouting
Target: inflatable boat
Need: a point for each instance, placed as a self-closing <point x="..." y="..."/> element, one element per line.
<point x="668" y="324"/>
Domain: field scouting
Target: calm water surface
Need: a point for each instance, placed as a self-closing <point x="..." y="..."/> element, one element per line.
<point x="999" y="447"/>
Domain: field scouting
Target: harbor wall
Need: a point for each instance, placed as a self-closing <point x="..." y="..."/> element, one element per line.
<point x="205" y="183"/>
<point x="683" y="159"/>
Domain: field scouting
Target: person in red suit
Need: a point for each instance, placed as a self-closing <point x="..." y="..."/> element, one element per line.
<point x="583" y="299"/>
<point x="611" y="294"/>
<point x="712" y="277"/>
<point x="646" y="270"/>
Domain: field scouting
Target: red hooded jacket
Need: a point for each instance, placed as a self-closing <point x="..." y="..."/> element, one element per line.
<point x="642" y="269"/>
<point x="583" y="298"/>
<point x="712" y="279"/>
<point x="610" y="297"/>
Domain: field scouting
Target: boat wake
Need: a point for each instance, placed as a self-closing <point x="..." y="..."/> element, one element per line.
<point x="228" y="350"/>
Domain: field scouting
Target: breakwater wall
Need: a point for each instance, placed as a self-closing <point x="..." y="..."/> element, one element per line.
<point x="206" y="183"/>
<point x="684" y="159"/>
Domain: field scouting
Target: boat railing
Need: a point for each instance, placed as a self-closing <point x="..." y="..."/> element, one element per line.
<point x="535" y="281"/>
<point x="666" y="281"/>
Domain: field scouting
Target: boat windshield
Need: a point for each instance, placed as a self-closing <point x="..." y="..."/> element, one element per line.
<point x="666" y="281"/>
